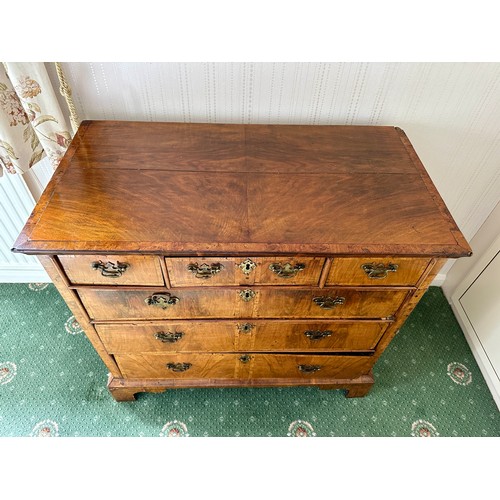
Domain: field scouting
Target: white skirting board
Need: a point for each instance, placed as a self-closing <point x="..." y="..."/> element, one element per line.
<point x="439" y="279"/>
<point x="19" y="273"/>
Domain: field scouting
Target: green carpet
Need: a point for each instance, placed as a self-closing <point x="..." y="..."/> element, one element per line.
<point x="52" y="383"/>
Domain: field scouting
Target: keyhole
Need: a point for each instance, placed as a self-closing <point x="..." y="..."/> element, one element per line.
<point x="247" y="295"/>
<point x="246" y="327"/>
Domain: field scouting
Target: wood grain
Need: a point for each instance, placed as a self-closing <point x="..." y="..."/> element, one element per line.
<point x="141" y="270"/>
<point x="345" y="191"/>
<point x="411" y="301"/>
<point x="258" y="366"/>
<point x="349" y="271"/>
<point x="165" y="196"/>
<point x="227" y="336"/>
<point x="57" y="276"/>
<point x="232" y="274"/>
<point x="109" y="304"/>
<point x="123" y="389"/>
<point x="243" y="148"/>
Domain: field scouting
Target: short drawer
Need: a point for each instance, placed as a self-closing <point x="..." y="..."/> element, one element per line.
<point x="242" y="335"/>
<point x="212" y="271"/>
<point x="112" y="269"/>
<point x="376" y="271"/>
<point x="242" y="366"/>
<point x="262" y="302"/>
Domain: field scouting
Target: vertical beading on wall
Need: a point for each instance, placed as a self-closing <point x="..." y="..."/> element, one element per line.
<point x="16" y="204"/>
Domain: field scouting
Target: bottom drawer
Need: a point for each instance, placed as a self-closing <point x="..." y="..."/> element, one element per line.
<point x="242" y="366"/>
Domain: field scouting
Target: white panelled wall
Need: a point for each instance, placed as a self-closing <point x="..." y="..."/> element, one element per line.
<point x="16" y="203"/>
<point x="450" y="111"/>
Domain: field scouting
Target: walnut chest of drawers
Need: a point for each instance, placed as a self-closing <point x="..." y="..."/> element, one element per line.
<point x="197" y="255"/>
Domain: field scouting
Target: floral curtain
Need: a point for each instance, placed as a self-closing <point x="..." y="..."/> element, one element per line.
<point x="32" y="124"/>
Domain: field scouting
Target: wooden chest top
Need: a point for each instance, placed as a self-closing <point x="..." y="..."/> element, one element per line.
<point x="175" y="188"/>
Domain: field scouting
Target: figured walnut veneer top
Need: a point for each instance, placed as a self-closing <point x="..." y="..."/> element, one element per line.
<point x="205" y="188"/>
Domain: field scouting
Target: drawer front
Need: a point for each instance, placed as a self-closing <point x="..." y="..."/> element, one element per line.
<point x="331" y="303"/>
<point x="243" y="335"/>
<point x="309" y="367"/>
<point x="105" y="304"/>
<point x="376" y="271"/>
<point x="112" y="269"/>
<point x="102" y="304"/>
<point x="242" y="366"/>
<point x="213" y="271"/>
<point x="181" y="366"/>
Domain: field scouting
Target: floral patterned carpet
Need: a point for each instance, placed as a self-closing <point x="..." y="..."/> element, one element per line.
<point x="52" y="383"/>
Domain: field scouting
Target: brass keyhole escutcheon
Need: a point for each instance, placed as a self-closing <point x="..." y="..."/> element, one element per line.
<point x="246" y="327"/>
<point x="245" y="358"/>
<point x="247" y="295"/>
<point x="247" y="266"/>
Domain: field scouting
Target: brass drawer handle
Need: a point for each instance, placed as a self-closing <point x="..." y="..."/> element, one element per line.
<point x="110" y="269"/>
<point x="247" y="266"/>
<point x="328" y="302"/>
<point x="178" y="367"/>
<point x="317" y="334"/>
<point x="378" y="271"/>
<point x="162" y="300"/>
<point x="245" y="327"/>
<point x="245" y="358"/>
<point x="169" y="337"/>
<point x="286" y="270"/>
<point x="204" y="271"/>
<point x="247" y="295"/>
<point x="309" y="368"/>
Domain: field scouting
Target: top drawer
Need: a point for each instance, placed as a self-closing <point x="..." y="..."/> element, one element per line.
<point x="112" y="269"/>
<point x="212" y="271"/>
<point x="376" y="271"/>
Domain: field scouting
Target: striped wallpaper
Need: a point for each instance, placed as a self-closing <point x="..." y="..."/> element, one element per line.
<point x="450" y="111"/>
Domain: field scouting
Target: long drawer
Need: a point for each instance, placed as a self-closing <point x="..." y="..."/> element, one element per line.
<point x="242" y="335"/>
<point x="241" y="366"/>
<point x="109" y="304"/>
